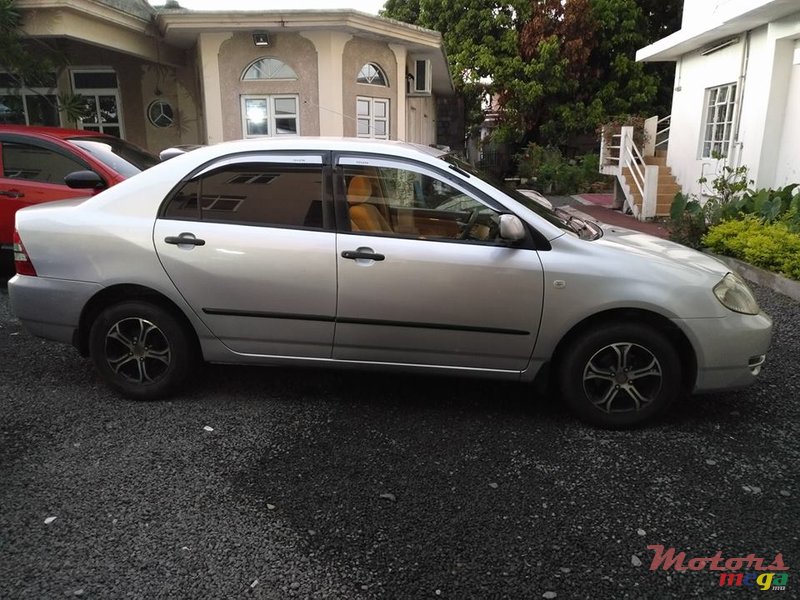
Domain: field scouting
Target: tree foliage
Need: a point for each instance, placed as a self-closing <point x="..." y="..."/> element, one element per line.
<point x="30" y="67"/>
<point x="558" y="68"/>
<point x="24" y="66"/>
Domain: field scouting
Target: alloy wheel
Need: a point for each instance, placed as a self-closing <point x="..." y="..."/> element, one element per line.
<point x="622" y="377"/>
<point x="137" y="350"/>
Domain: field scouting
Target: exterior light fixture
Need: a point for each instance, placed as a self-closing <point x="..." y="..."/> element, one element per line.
<point x="261" y="39"/>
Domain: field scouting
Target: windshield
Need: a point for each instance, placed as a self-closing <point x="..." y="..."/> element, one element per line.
<point x="558" y="217"/>
<point x="119" y="155"/>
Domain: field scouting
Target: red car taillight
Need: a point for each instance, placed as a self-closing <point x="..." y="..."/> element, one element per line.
<point x="22" y="261"/>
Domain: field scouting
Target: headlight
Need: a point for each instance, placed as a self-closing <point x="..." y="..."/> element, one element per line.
<point x="734" y="294"/>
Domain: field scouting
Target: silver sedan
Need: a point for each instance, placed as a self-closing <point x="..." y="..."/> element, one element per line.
<point x="350" y="253"/>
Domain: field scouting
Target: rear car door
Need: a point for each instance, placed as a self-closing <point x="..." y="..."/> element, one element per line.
<point x="249" y="242"/>
<point x="33" y="171"/>
<point x="424" y="277"/>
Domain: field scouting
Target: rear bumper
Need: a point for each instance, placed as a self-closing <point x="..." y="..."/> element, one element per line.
<point x="729" y="351"/>
<point x="49" y="308"/>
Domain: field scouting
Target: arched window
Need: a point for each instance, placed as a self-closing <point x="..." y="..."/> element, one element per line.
<point x="268" y="68"/>
<point x="372" y="74"/>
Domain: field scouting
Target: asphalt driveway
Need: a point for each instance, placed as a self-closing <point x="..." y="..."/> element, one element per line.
<point x="270" y="483"/>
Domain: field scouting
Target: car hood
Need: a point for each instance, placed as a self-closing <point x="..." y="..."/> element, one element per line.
<point x="629" y="269"/>
<point x="659" y="250"/>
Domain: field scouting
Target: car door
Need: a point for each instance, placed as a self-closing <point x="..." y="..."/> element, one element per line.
<point x="33" y="171"/>
<point x="248" y="241"/>
<point x="424" y="277"/>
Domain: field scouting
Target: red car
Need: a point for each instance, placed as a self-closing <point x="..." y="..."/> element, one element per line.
<point x="42" y="164"/>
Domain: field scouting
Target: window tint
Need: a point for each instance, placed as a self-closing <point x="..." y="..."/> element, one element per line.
<point x="253" y="193"/>
<point x="184" y="204"/>
<point x="405" y="202"/>
<point x="35" y="163"/>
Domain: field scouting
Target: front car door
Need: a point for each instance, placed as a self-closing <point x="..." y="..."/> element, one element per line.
<point x="424" y="277"/>
<point x="249" y="243"/>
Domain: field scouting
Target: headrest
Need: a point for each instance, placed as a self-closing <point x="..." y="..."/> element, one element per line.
<point x="359" y="190"/>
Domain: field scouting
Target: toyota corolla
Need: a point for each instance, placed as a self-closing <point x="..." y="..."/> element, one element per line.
<point x="351" y="253"/>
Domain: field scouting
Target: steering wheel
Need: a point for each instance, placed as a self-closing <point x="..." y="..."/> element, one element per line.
<point x="467" y="227"/>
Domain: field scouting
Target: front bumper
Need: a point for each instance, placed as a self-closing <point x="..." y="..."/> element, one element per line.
<point x="49" y="308"/>
<point x="729" y="350"/>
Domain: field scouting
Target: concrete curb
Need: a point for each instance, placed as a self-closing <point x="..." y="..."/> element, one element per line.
<point x="778" y="283"/>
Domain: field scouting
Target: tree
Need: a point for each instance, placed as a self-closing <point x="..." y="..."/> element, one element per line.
<point x="29" y="68"/>
<point x="662" y="17"/>
<point x="479" y="37"/>
<point x="402" y="10"/>
<point x="558" y="68"/>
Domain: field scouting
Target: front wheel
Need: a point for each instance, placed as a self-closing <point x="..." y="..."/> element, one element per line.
<point x="140" y="350"/>
<point x="620" y="375"/>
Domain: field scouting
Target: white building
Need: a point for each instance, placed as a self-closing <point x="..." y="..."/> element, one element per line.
<point x="737" y="90"/>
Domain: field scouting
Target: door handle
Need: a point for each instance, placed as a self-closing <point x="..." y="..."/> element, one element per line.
<point x="12" y="193"/>
<point x="356" y="254"/>
<point x="184" y="239"/>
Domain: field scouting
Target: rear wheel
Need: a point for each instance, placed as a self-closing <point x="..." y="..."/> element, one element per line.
<point x="140" y="349"/>
<point x="619" y="375"/>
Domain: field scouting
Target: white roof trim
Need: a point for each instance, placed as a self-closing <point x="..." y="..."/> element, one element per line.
<point x="731" y="18"/>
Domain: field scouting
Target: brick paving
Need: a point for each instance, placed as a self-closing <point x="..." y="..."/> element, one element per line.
<point x="599" y="208"/>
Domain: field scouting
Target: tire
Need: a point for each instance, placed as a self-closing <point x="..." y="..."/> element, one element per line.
<point x="140" y="350"/>
<point x="596" y="386"/>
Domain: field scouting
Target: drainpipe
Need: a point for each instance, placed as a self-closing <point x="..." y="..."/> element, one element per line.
<point x="737" y="119"/>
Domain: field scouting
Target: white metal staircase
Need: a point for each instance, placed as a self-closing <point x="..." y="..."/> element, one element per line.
<point x="643" y="178"/>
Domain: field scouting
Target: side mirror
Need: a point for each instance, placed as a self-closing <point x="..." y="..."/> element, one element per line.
<point x="174" y="151"/>
<point x="511" y="228"/>
<point x="85" y="180"/>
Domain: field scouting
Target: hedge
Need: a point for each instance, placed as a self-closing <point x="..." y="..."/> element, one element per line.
<point x="771" y="246"/>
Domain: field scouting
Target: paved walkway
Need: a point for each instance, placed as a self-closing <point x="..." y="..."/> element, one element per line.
<point x="597" y="207"/>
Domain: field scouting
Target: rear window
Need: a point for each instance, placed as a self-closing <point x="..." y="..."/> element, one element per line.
<point x="119" y="155"/>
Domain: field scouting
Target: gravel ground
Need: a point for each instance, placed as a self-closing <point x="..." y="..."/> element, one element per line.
<point x="312" y="484"/>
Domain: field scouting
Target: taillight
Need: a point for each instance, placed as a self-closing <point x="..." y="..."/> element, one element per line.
<point x="22" y="261"/>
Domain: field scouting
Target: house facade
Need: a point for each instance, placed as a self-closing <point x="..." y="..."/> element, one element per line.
<point x="737" y="91"/>
<point x="164" y="76"/>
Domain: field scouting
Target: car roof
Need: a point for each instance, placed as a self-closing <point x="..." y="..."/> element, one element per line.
<point x="317" y="144"/>
<point x="53" y="132"/>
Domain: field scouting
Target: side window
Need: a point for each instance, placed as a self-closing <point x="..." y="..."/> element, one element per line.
<point x="406" y="202"/>
<point x="35" y="163"/>
<point x="253" y="193"/>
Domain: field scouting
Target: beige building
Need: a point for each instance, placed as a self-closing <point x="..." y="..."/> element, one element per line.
<point x="162" y="76"/>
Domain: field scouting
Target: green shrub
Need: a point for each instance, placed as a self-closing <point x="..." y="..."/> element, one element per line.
<point x="687" y="221"/>
<point x="690" y="220"/>
<point x="770" y="204"/>
<point x="552" y="173"/>
<point x="771" y="246"/>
